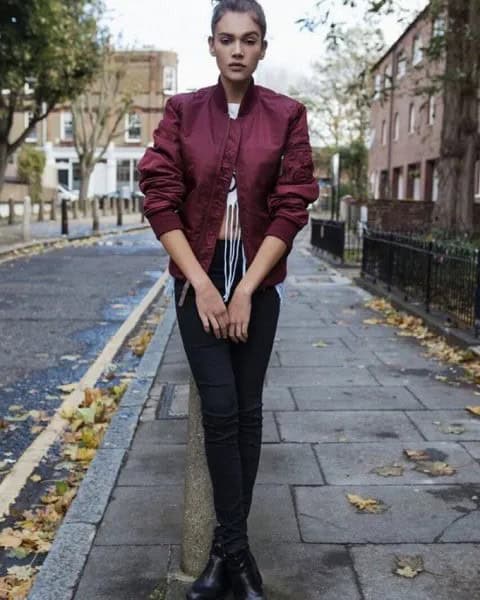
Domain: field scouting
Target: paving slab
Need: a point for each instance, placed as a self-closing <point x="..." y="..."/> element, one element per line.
<point x="446" y="424"/>
<point x="362" y="397"/>
<point x="142" y="515"/>
<point x="154" y="464"/>
<point x="123" y="572"/>
<point x="352" y="375"/>
<point x="420" y="513"/>
<point x="445" y="396"/>
<point x="356" y="463"/>
<point x="346" y="426"/>
<point x="166" y="431"/>
<point x="451" y="571"/>
<point x="289" y="464"/>
<point x="279" y="525"/>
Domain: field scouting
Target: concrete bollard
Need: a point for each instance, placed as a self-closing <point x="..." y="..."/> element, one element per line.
<point x="27" y="213"/>
<point x="96" y="220"/>
<point x="53" y="209"/>
<point x="11" y="211"/>
<point x="199" y="515"/>
<point x="119" y="212"/>
<point x="104" y="205"/>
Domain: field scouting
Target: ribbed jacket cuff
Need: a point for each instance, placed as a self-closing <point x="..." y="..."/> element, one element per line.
<point x="161" y="222"/>
<point x="284" y="229"/>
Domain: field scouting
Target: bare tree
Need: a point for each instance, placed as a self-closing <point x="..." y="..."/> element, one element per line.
<point x="98" y="115"/>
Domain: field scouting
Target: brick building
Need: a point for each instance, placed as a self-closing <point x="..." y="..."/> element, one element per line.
<point x="154" y="75"/>
<point x="406" y="126"/>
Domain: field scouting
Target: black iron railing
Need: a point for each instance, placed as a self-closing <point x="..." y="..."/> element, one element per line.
<point x="341" y="240"/>
<point x="440" y="275"/>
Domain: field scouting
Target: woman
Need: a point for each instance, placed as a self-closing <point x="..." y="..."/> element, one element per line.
<point x="227" y="184"/>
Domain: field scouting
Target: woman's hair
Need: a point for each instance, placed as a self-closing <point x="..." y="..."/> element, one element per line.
<point x="241" y="6"/>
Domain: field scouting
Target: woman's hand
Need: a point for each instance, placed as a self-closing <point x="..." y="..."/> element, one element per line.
<point x="211" y="309"/>
<point x="239" y="309"/>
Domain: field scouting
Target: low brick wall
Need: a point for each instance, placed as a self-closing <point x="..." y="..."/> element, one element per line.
<point x="395" y="214"/>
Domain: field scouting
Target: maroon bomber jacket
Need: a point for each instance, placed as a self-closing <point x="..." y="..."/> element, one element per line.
<point x="186" y="174"/>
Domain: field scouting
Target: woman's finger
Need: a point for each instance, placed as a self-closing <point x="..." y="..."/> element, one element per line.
<point x="231" y="332"/>
<point x="205" y="323"/>
<point x="215" y="326"/>
<point x="244" y="331"/>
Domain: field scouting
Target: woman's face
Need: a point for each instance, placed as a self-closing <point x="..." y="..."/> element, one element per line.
<point x="237" y="45"/>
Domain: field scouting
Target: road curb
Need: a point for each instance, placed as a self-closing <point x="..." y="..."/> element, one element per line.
<point x="12" y="251"/>
<point x="61" y="571"/>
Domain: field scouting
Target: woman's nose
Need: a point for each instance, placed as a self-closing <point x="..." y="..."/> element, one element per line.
<point x="237" y="49"/>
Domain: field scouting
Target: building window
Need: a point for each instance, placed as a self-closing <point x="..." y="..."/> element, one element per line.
<point x="431" y="181"/>
<point x="431" y="110"/>
<point x="401" y="64"/>
<point x="413" y="181"/>
<point x="378" y="86"/>
<point x="411" y="118"/>
<point x="384" y="133"/>
<point x="75" y="176"/>
<point x="387" y="77"/>
<point x="66" y="126"/>
<point x="438" y="29"/>
<point x="398" y="190"/>
<point x="383" y="185"/>
<point x="32" y="136"/>
<point x="396" y="127"/>
<point x="127" y="175"/>
<point x="417" y="50"/>
<point x="169" y="79"/>
<point x="133" y="127"/>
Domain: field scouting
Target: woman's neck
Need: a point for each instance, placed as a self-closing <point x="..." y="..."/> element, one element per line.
<point x="234" y="90"/>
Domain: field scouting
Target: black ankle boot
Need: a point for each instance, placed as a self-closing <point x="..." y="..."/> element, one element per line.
<point x="244" y="576"/>
<point x="214" y="581"/>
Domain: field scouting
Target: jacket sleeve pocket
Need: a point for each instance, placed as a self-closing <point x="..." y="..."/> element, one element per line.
<point x="161" y="174"/>
<point x="296" y="186"/>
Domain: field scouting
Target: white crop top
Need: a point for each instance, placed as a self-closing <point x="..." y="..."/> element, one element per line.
<point x="233" y="242"/>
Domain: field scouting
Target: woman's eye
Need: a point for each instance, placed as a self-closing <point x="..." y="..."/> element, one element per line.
<point x="225" y="41"/>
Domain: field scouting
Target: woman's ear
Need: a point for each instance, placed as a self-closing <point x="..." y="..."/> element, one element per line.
<point x="210" y="44"/>
<point x="264" y="49"/>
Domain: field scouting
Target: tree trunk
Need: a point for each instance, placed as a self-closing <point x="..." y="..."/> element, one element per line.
<point x="85" y="174"/>
<point x="3" y="165"/>
<point x="458" y="154"/>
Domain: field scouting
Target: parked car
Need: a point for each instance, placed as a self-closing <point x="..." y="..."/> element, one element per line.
<point x="64" y="193"/>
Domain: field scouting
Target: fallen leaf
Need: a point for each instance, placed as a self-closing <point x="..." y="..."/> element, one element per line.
<point x="435" y="468"/>
<point x="366" y="504"/>
<point x="319" y="344"/>
<point x="408" y="566"/>
<point x="417" y="454"/>
<point x="474" y="410"/>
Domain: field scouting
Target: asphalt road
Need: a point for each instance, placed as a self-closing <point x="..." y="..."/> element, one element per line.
<point x="57" y="311"/>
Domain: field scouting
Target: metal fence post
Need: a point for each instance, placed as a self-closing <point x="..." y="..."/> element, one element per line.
<point x="428" y="290"/>
<point x="477" y="296"/>
<point x="390" y="262"/>
<point x="27" y="211"/>
<point x="64" y="216"/>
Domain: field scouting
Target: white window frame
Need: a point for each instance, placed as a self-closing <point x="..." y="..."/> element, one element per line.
<point x="431" y="110"/>
<point x="378" y="86"/>
<point x="63" y="122"/>
<point x="27" y="119"/>
<point x="401" y="64"/>
<point x="417" y="51"/>
<point x="396" y="127"/>
<point x="169" y="79"/>
<point x="387" y="77"/>
<point x="477" y="181"/>
<point x="411" y="118"/>
<point x="438" y="27"/>
<point x="128" y="125"/>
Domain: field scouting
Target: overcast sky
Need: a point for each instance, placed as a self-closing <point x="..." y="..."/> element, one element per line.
<point x="184" y="25"/>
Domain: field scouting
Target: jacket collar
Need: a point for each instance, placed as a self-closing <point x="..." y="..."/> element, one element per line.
<point x="248" y="99"/>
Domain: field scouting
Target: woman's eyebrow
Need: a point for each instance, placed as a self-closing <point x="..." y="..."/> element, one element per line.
<point x="243" y="34"/>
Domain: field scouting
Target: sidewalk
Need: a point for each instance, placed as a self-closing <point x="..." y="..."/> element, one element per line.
<point x="333" y="413"/>
<point x="50" y="231"/>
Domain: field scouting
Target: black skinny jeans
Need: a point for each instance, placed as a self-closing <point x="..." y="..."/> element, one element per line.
<point x="230" y="378"/>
